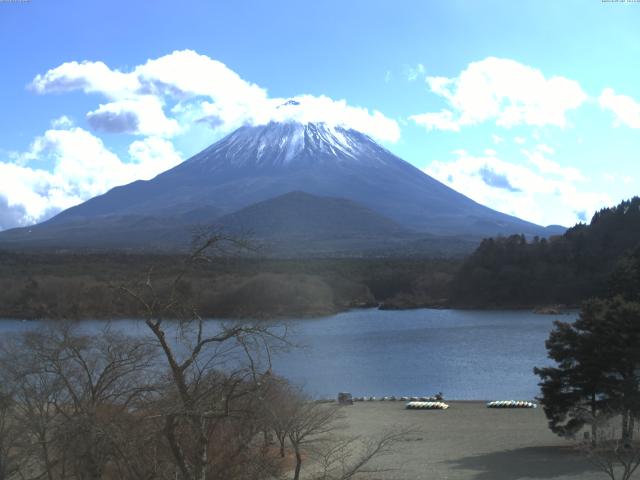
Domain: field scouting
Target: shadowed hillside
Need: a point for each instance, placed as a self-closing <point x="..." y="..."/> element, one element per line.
<point x="567" y="269"/>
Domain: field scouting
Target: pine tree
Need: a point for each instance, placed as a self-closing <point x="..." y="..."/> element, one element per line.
<point x="598" y="368"/>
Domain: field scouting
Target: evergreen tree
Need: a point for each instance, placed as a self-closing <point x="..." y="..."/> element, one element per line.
<point x="625" y="280"/>
<point x="618" y="326"/>
<point x="566" y="269"/>
<point x="598" y="368"/>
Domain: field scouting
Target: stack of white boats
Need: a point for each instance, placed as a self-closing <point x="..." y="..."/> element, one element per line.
<point x="511" y="404"/>
<point x="427" y="406"/>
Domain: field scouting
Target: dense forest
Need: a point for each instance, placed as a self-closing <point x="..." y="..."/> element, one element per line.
<point x="563" y="270"/>
<point x="83" y="285"/>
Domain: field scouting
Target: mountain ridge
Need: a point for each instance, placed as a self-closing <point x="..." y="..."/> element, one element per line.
<point x="300" y="213"/>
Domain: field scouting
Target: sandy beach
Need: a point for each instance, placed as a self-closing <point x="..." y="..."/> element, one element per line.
<point x="469" y="442"/>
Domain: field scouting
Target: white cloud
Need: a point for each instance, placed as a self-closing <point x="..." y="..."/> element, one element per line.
<point x="506" y="92"/>
<point x="546" y="149"/>
<point x="28" y="191"/>
<point x="337" y="112"/>
<point x="62" y="123"/>
<point x="82" y="168"/>
<point x="198" y="88"/>
<point x="186" y="72"/>
<point x="625" y="108"/>
<point x="497" y="139"/>
<point x="519" y="140"/>
<point x="90" y="77"/>
<point x="618" y="178"/>
<point x="412" y="73"/>
<point x="141" y="115"/>
<point x="550" y="167"/>
<point x="442" y="120"/>
<point x="538" y="193"/>
<point x="10" y="215"/>
<point x="152" y="156"/>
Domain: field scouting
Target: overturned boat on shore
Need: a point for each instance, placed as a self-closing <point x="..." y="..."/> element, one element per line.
<point x="511" y="404"/>
<point x="426" y="406"/>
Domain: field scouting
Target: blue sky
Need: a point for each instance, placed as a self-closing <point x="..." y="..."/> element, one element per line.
<point x="530" y="107"/>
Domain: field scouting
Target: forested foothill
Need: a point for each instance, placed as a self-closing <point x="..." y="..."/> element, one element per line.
<point x="513" y="272"/>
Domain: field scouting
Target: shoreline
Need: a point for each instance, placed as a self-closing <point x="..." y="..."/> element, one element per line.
<point x="449" y="402"/>
<point x="537" y="310"/>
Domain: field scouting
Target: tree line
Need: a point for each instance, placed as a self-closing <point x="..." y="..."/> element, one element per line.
<point x="518" y="272"/>
<point x="81" y="285"/>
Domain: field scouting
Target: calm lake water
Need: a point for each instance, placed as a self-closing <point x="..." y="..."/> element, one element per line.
<point x="466" y="354"/>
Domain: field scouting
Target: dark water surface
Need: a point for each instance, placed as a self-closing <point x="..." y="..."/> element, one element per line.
<point x="466" y="354"/>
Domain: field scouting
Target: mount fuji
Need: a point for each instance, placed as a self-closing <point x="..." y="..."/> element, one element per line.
<point x="337" y="173"/>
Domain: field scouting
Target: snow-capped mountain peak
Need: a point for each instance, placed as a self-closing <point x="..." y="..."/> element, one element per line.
<point x="288" y="103"/>
<point x="286" y="144"/>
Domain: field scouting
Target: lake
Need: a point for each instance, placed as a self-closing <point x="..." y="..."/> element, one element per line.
<point x="466" y="354"/>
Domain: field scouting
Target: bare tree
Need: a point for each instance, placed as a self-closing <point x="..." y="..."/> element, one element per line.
<point x="10" y="438"/>
<point x="310" y="423"/>
<point x="279" y="401"/>
<point x="74" y="398"/>
<point x="344" y="458"/>
<point x="204" y="397"/>
<point x="612" y="453"/>
<point x="313" y="429"/>
<point x="34" y="394"/>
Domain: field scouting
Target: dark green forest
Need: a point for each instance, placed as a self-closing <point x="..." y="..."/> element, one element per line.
<point x="563" y="270"/>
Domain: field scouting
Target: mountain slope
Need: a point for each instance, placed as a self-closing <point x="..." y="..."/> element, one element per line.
<point x="258" y="163"/>
<point x="300" y="224"/>
<point x="302" y="215"/>
<point x="296" y="224"/>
